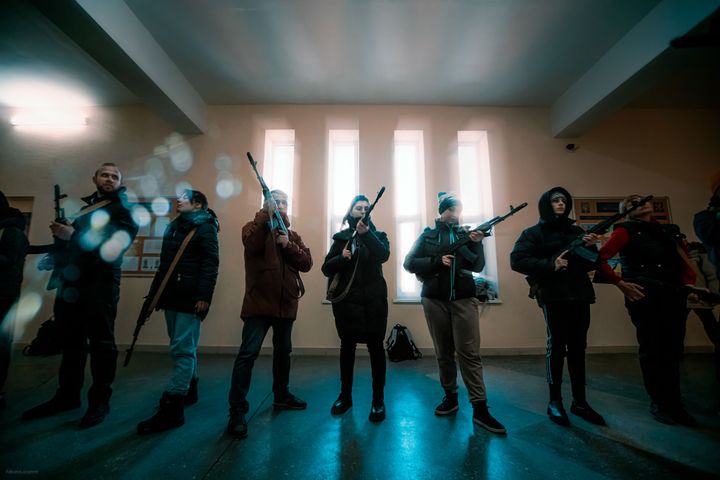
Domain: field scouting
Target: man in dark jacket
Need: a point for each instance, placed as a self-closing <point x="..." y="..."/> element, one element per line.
<point x="86" y="303"/>
<point x="707" y="223"/>
<point x="186" y="300"/>
<point x="272" y="290"/>
<point x="451" y="309"/>
<point x="563" y="290"/>
<point x="654" y="271"/>
<point x="13" y="248"/>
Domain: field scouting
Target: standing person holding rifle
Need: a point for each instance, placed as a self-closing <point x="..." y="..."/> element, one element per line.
<point x="87" y="297"/>
<point x="450" y="305"/>
<point x="183" y="286"/>
<point x="654" y="277"/>
<point x="358" y="293"/>
<point x="274" y="256"/>
<point x="555" y="254"/>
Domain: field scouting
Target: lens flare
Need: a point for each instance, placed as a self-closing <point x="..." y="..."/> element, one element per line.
<point x="160" y="206"/>
<point x="141" y="216"/>
<point x="224" y="188"/>
<point x="99" y="219"/>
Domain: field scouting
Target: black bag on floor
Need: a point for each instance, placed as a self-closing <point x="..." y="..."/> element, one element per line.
<point x="400" y="345"/>
<point x="47" y="341"/>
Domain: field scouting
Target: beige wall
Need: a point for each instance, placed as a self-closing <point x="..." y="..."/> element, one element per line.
<point x="664" y="152"/>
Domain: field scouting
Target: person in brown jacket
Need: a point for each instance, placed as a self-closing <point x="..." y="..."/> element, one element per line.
<point x="273" y="261"/>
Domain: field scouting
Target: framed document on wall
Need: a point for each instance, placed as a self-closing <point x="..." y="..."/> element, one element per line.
<point x="142" y="259"/>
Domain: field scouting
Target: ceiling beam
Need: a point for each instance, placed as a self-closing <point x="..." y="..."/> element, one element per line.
<point x="628" y="68"/>
<point x="112" y="35"/>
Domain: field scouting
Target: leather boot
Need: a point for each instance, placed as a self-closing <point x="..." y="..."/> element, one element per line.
<point x="170" y="414"/>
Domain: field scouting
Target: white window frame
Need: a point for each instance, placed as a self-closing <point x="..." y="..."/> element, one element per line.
<point x="408" y="225"/>
<point x="339" y="196"/>
<point x="475" y="190"/>
<point x="277" y="140"/>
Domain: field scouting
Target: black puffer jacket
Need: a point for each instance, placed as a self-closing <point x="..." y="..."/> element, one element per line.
<point x="90" y="264"/>
<point x="425" y="261"/>
<point x="13" y="248"/>
<point x="537" y="248"/>
<point x="196" y="272"/>
<point x="363" y="312"/>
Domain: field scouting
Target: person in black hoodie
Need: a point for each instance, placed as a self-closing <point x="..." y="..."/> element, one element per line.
<point x="451" y="309"/>
<point x="186" y="301"/>
<point x="13" y="248"/>
<point x="86" y="300"/>
<point x="361" y="315"/>
<point x="562" y="288"/>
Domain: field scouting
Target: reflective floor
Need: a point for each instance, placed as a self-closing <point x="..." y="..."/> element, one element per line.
<point x="411" y="444"/>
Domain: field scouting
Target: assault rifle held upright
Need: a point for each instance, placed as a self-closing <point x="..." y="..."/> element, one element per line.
<point x="276" y="221"/>
<point x="485" y="228"/>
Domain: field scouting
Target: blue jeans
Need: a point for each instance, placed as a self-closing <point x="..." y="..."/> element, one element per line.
<point x="184" y="331"/>
<point x="253" y="334"/>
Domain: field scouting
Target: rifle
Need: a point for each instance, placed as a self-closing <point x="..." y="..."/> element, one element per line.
<point x="576" y="246"/>
<point x="336" y="279"/>
<point x="50" y="260"/>
<point x="485" y="228"/>
<point x="702" y="294"/>
<point x="145" y="313"/>
<point x="276" y="221"/>
<point x="59" y="211"/>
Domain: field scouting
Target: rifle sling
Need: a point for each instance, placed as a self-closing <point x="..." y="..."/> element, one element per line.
<point x="168" y="274"/>
<point x="336" y="280"/>
<point x="91" y="209"/>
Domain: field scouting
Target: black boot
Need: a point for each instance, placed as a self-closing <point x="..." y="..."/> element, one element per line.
<point x="583" y="410"/>
<point x="191" y="397"/>
<point x="482" y="417"/>
<point x="94" y="415"/>
<point x="377" y="412"/>
<point x="341" y="405"/>
<point x="170" y="414"/>
<point x="448" y="406"/>
<point x="557" y="413"/>
<point x="59" y="403"/>
<point x="237" y="425"/>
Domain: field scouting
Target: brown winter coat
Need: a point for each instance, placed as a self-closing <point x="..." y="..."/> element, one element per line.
<point x="272" y="287"/>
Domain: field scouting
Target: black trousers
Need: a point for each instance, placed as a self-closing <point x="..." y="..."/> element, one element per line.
<point x="659" y="319"/>
<point x="348" y="344"/>
<point x="567" y="325"/>
<point x="86" y="319"/>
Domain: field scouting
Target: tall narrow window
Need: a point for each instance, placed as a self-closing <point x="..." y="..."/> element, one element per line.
<point x="343" y="154"/>
<point x="476" y="193"/>
<point x="279" y="162"/>
<point x="409" y="173"/>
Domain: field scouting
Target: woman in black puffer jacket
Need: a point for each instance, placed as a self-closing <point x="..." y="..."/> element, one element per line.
<point x="563" y="290"/>
<point x="361" y="315"/>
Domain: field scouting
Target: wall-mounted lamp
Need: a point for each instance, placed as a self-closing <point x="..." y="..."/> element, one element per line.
<point x="48" y="118"/>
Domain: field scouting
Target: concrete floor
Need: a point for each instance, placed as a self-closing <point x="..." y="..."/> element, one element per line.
<point x="411" y="444"/>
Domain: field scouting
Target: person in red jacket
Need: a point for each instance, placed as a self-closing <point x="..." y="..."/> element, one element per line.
<point x="273" y="261"/>
<point x="654" y="272"/>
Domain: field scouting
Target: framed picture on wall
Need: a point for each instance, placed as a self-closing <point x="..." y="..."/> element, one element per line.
<point x="142" y="259"/>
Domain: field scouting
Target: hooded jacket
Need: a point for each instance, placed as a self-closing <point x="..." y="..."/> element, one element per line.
<point x="364" y="310"/>
<point x="195" y="274"/>
<point x="538" y="247"/>
<point x="13" y="248"/>
<point x="272" y="279"/>
<point x="441" y="282"/>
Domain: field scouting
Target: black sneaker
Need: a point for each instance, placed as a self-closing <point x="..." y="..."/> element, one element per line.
<point x="448" y="406"/>
<point x="237" y="425"/>
<point x="289" y="402"/>
<point x="557" y="413"/>
<point x="482" y="417"/>
<point x="661" y="414"/>
<point x="94" y="415"/>
<point x="55" y="405"/>
<point x="585" y="411"/>
<point x="341" y="405"/>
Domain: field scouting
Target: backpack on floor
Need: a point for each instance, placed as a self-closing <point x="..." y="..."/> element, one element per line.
<point x="400" y="345"/>
<point x="47" y="341"/>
